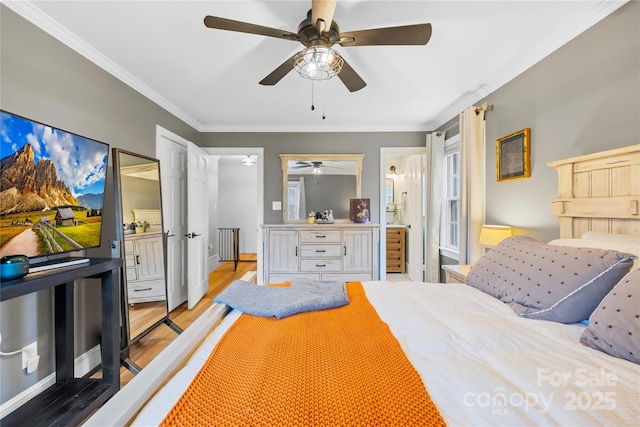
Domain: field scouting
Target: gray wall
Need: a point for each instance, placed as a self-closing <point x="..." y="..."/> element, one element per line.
<point x="581" y="99"/>
<point x="44" y="80"/>
<point x="276" y="143"/>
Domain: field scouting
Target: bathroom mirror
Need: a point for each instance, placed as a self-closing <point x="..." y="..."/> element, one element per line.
<point x="389" y="190"/>
<point x="318" y="182"/>
<point x="142" y="244"/>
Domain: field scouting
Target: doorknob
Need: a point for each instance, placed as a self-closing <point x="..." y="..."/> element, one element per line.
<point x="409" y="226"/>
<point x="194" y="234"/>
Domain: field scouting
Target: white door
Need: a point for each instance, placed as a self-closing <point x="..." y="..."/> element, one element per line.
<point x="173" y="170"/>
<point x="415" y="217"/>
<point x="198" y="223"/>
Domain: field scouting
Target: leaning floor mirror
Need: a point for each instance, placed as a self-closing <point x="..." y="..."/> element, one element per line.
<point x="142" y="246"/>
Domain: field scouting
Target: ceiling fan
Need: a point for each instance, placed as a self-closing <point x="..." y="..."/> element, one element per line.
<point x="315" y="165"/>
<point x="318" y="33"/>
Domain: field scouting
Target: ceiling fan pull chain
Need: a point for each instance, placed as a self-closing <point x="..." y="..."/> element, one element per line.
<point x="323" y="101"/>
<point x="312" y="106"/>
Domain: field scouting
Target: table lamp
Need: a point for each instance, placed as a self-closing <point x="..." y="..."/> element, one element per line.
<point x="491" y="235"/>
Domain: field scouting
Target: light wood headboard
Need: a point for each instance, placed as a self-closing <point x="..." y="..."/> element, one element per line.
<point x="599" y="192"/>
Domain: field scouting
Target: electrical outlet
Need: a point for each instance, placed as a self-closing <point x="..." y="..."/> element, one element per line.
<point x="29" y="356"/>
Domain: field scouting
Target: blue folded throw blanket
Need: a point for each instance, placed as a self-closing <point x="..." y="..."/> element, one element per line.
<point x="282" y="301"/>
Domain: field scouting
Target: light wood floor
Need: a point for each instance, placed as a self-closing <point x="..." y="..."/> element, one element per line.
<point x="143" y="352"/>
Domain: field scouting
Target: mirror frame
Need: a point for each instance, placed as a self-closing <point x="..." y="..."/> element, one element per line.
<point x="285" y="158"/>
<point x="126" y="339"/>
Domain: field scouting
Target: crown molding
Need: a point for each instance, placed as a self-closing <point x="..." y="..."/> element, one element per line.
<point x="323" y="128"/>
<point x="526" y="60"/>
<point x="33" y="14"/>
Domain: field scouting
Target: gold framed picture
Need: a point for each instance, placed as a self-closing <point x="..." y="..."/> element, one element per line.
<point x="513" y="156"/>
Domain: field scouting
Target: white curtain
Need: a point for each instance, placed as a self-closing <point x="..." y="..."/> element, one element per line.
<point x="472" y="149"/>
<point x="433" y="192"/>
<point x="302" y="209"/>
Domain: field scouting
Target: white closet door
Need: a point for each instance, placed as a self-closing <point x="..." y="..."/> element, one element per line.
<point x="198" y="223"/>
<point x="173" y="170"/>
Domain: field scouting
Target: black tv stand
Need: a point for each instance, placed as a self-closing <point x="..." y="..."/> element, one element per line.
<point x="71" y="400"/>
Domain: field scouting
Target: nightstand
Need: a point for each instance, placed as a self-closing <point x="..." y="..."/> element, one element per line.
<point x="456" y="273"/>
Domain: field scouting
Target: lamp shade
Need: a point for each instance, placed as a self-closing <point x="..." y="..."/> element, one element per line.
<point x="491" y="235"/>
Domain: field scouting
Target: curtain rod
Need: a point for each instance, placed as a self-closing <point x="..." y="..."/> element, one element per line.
<point x="484" y="107"/>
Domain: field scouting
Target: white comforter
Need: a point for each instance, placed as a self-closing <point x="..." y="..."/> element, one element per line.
<point x="481" y="364"/>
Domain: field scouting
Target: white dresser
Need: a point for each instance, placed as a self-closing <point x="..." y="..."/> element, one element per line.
<point x="144" y="260"/>
<point x="345" y="252"/>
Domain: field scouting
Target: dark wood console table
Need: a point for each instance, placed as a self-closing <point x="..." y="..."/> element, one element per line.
<point x="71" y="400"/>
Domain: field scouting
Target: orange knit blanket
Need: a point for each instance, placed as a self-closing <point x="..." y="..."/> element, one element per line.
<point x="340" y="366"/>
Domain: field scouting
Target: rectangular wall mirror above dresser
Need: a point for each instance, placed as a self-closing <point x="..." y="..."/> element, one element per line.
<point x="318" y="182"/>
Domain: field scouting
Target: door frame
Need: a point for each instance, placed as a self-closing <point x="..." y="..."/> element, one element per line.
<point x="259" y="153"/>
<point x="384" y="152"/>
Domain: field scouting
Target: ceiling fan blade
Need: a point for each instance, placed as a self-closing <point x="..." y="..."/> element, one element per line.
<point x="277" y="74"/>
<point x="322" y="14"/>
<point x="350" y="78"/>
<point x="244" y="27"/>
<point x="418" y="34"/>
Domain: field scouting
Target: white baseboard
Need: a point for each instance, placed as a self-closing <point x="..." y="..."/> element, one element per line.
<point x="213" y="262"/>
<point x="87" y="361"/>
<point x="82" y="365"/>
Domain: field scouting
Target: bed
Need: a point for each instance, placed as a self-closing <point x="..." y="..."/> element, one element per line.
<point x="487" y="355"/>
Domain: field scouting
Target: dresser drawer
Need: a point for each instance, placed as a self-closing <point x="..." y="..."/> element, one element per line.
<point x="394" y="247"/>
<point x="320" y="251"/>
<point x="394" y="232"/>
<point x="327" y="236"/>
<point x="146" y="291"/>
<point x="319" y="265"/>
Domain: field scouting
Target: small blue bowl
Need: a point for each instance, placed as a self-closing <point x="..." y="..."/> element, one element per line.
<point x="13" y="267"/>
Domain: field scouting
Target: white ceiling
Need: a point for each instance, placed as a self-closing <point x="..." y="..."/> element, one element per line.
<point x="209" y="78"/>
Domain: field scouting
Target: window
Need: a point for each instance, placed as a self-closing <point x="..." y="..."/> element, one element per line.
<point x="450" y="227"/>
<point x="293" y="191"/>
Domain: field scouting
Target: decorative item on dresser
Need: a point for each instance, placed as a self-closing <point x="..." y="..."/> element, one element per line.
<point x="327" y="252"/>
<point x="396" y="249"/>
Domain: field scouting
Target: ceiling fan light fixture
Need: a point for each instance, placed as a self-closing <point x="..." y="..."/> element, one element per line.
<point x="248" y="161"/>
<point x="318" y="62"/>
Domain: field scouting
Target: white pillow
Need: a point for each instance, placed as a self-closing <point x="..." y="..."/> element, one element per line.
<point x="609" y="237"/>
<point x="616" y="242"/>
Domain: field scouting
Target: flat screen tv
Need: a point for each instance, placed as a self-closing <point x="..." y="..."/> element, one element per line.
<point x="52" y="186"/>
